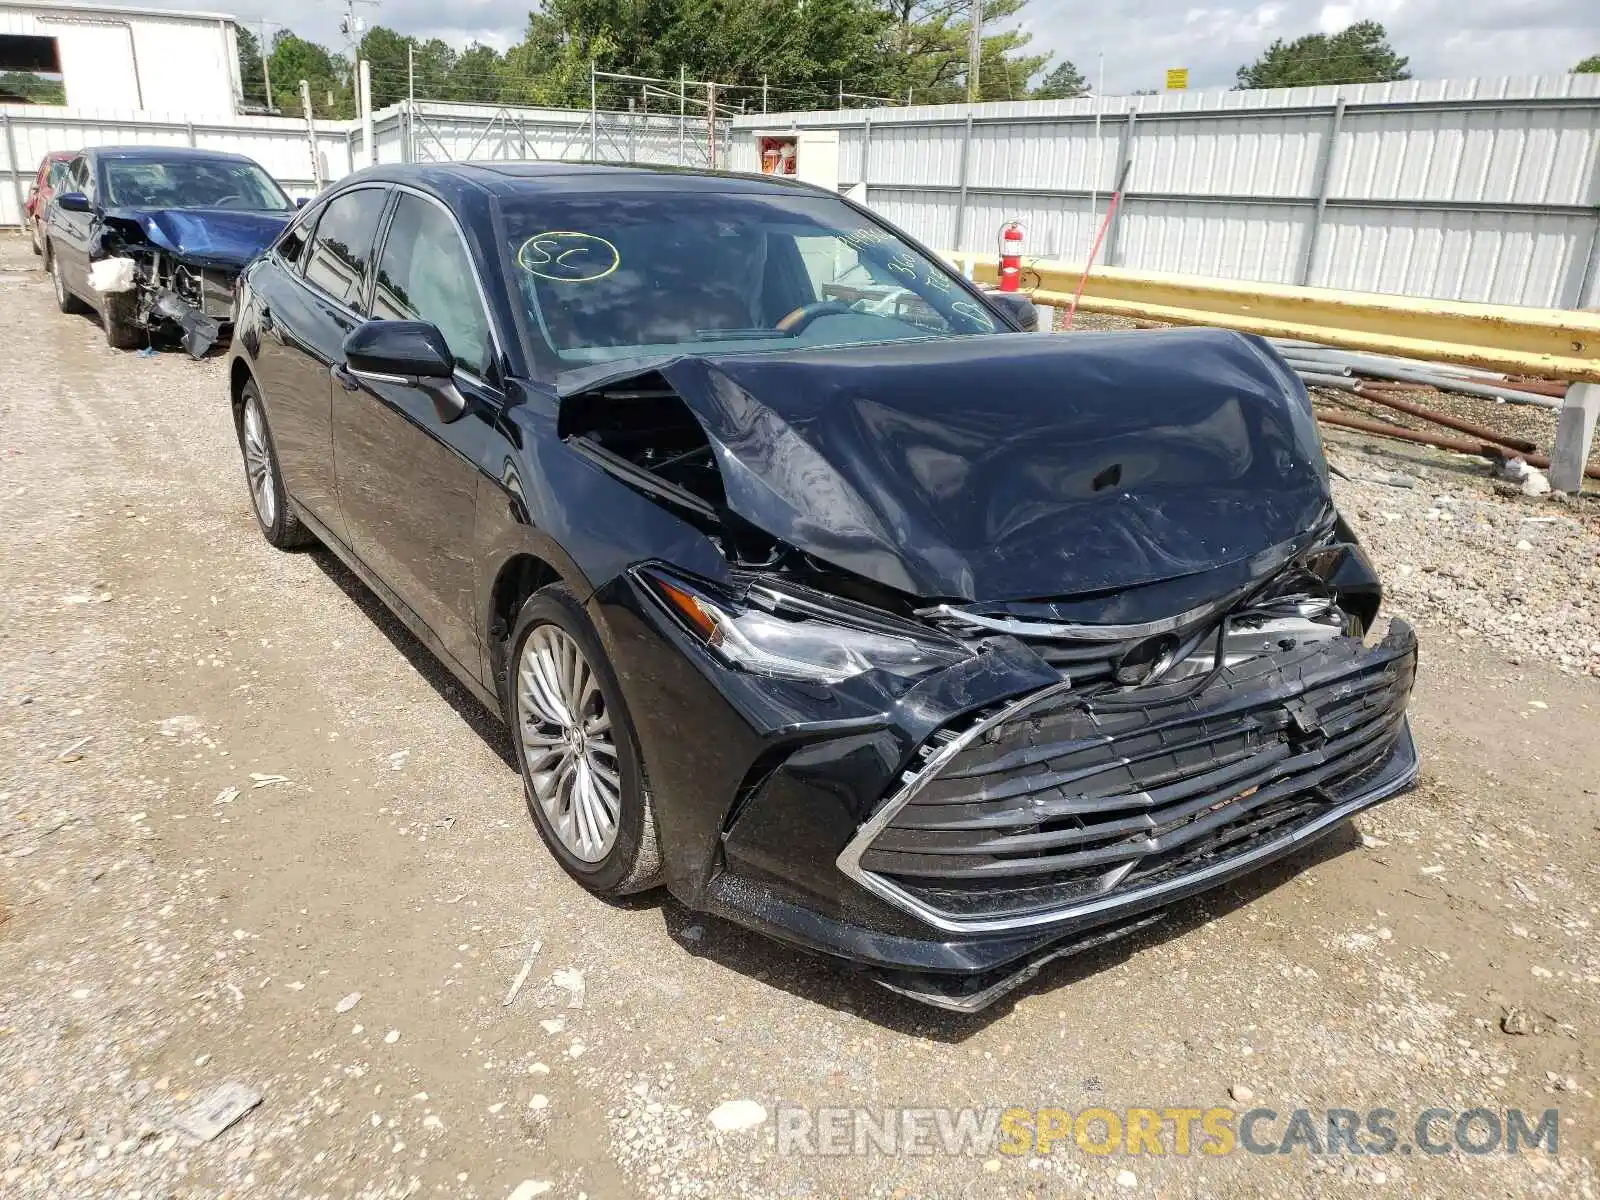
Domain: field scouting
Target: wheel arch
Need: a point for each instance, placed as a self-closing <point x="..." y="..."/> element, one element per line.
<point x="519" y="576"/>
<point x="239" y="374"/>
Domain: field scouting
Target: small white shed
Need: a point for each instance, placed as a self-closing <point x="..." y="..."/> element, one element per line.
<point x="114" y="58"/>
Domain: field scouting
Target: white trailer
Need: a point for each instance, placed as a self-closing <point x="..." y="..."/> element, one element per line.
<point x="112" y="58"/>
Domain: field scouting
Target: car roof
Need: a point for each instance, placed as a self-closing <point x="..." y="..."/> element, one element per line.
<point x="523" y="178"/>
<point x="166" y="154"/>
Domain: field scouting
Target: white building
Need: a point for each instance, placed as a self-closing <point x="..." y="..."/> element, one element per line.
<point x="113" y="58"/>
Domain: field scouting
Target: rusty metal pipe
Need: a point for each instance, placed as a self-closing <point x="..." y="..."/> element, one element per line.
<point x="1459" y="445"/>
<point x="1522" y="445"/>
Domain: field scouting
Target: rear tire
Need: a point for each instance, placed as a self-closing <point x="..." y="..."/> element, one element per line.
<point x="582" y="771"/>
<point x="66" y="301"/>
<point x="33" y="235"/>
<point x="118" y="311"/>
<point x="262" y="477"/>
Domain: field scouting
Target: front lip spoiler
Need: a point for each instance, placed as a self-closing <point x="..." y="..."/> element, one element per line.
<point x="949" y="994"/>
<point x="1390" y="782"/>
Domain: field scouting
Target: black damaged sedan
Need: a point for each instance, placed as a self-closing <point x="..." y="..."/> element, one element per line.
<point x="811" y="586"/>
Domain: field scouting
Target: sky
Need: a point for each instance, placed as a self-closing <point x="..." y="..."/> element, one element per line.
<point x="1140" y="39"/>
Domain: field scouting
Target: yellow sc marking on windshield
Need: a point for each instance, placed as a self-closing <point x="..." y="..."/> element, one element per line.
<point x="567" y="256"/>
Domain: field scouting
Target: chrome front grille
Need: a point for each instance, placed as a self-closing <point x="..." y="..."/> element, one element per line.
<point x="1068" y="800"/>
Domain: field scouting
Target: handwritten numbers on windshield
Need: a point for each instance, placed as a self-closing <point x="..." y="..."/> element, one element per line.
<point x="974" y="314"/>
<point x="860" y="239"/>
<point x="566" y="256"/>
<point x="903" y="264"/>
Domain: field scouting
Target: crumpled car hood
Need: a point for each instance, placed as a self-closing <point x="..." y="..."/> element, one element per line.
<point x="1010" y="467"/>
<point x="210" y="236"/>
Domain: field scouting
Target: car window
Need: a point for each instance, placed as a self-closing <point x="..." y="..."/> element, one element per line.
<point x="611" y="276"/>
<point x="342" y="245"/>
<point x="58" y="175"/>
<point x="80" y="178"/>
<point x="426" y="275"/>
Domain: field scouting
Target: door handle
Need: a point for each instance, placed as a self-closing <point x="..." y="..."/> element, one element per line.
<point x="344" y="378"/>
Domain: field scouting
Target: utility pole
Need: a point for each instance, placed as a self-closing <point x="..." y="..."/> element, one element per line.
<point x="367" y="144"/>
<point x="411" y="102"/>
<point x="594" y="117"/>
<point x="311" y="134"/>
<point x="683" y="103"/>
<point x="974" y="51"/>
<point x="841" y="93"/>
<point x="266" y="65"/>
<point x="763" y="91"/>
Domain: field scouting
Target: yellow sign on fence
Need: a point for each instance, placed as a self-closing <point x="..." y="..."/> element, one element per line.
<point x="1177" y="78"/>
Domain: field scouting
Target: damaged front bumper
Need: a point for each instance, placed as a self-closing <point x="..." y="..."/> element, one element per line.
<point x="192" y="302"/>
<point x="956" y="834"/>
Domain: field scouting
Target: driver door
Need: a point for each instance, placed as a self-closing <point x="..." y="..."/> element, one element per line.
<point x="407" y="478"/>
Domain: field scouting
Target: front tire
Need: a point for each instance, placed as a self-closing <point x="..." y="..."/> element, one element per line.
<point x="65" y="300"/>
<point x="268" y="498"/>
<point x="582" y="771"/>
<point x="117" y="313"/>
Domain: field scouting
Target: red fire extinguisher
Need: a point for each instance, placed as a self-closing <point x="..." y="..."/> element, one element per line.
<point x="1010" y="256"/>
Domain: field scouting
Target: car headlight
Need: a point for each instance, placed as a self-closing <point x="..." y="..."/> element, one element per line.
<point x="768" y="630"/>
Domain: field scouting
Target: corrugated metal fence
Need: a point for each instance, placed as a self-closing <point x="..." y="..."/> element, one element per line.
<point x="1485" y="190"/>
<point x="429" y="131"/>
<point x="280" y="144"/>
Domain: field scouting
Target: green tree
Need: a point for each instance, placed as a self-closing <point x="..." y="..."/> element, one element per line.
<point x="253" y="86"/>
<point x="1063" y="83"/>
<point x="293" y="59"/>
<point x="475" y="76"/>
<point x="1359" y="53"/>
<point x="927" y="45"/>
<point x="1589" y="66"/>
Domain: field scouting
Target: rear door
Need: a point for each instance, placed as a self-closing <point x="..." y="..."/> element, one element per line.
<point x="407" y="479"/>
<point x="306" y="308"/>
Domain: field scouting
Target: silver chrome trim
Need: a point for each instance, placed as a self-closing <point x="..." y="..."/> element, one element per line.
<point x="1083" y="633"/>
<point x="849" y="860"/>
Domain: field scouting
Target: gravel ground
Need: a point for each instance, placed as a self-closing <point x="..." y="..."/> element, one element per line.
<point x="250" y="834"/>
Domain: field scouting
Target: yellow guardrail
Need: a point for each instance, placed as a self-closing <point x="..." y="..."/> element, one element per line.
<point x="1559" y="343"/>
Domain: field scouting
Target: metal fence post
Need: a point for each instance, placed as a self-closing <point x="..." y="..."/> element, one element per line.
<point x="1324" y="179"/>
<point x="1574" y="435"/>
<point x="961" y="199"/>
<point x="16" y="174"/>
<point x="594" y="117"/>
<point x="190" y="128"/>
<point x="866" y="147"/>
<point x="1125" y="172"/>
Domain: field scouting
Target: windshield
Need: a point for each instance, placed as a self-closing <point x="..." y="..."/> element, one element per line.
<point x="624" y="274"/>
<point x="191" y="183"/>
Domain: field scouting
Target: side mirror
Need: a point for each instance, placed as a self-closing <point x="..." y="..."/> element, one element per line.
<point x="302" y="201"/>
<point x="74" y="202"/>
<point x="1018" y="307"/>
<point x="407" y="354"/>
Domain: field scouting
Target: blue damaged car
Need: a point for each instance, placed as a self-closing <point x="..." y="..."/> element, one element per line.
<point x="153" y="237"/>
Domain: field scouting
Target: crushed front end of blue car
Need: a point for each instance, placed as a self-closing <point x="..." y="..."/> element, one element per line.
<point x="181" y="264"/>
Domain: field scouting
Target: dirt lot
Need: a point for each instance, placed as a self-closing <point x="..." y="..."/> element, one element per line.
<point x="234" y="794"/>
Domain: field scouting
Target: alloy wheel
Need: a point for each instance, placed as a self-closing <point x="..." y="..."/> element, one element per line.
<point x="258" y="463"/>
<point x="568" y="743"/>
